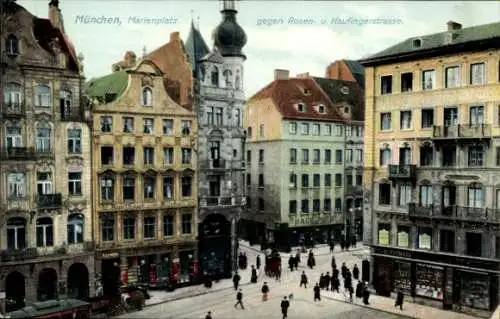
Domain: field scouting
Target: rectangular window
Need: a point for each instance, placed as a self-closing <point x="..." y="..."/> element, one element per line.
<point x="187" y="186"/>
<point x="328" y="180"/>
<point x="305" y="156"/>
<point x="168" y="156"/>
<point x="210" y="117"/>
<point x="426" y="199"/>
<point x="292" y="128"/>
<point x="149" y="227"/>
<point x="348" y="156"/>
<point x="405" y="120"/>
<point x="424" y="238"/>
<point x="476" y="197"/>
<point x="348" y="179"/>
<point x="386" y="84"/>
<point x="249" y="156"/>
<point x="43" y="139"/>
<point x="450" y="116"/>
<point x="407" y="82"/>
<point x="316" y="156"/>
<point x="473" y="243"/>
<point x="497" y="158"/>
<point x="338" y="157"/>
<point x="447" y="240"/>
<point x="304" y="128"/>
<point x="74" y="141"/>
<point x="384" y="194"/>
<point x="128" y="125"/>
<point x="44" y="232"/>
<point x="293" y="180"/>
<point x="385" y="121"/>
<point x="316" y="205"/>
<point x="426" y="155"/>
<point x="304" y="206"/>
<point x="316" y="180"/>
<point x="108" y="228"/>
<point x="261" y="156"/>
<point x="219" y="112"/>
<point x="327" y="129"/>
<point x="305" y="181"/>
<point x="404" y="195"/>
<point x="476" y="115"/>
<point x="338" y="205"/>
<point x="107" y="188"/>
<point x="476" y="156"/>
<point x="261" y="204"/>
<point x="452" y="75"/>
<point x="348" y="130"/>
<point x="149" y="126"/>
<point x="477" y="74"/>
<point x="359" y="156"/>
<point x="186" y="223"/>
<point x="186" y="127"/>
<point x="128" y="188"/>
<point x="338" y="180"/>
<point x="328" y="156"/>
<point x="17" y="185"/>
<point x="129" y="228"/>
<point x="427" y="118"/>
<point x="149" y="187"/>
<point x="315" y="129"/>
<point x="428" y="80"/>
<point x="327" y="205"/>
<point x="338" y="130"/>
<point x="168" y="225"/>
<point x="75" y="184"/>
<point x="106" y="124"/>
<point x="261" y="180"/>
<point x="168" y="187"/>
<point x="168" y="127"/>
<point x="149" y="155"/>
<point x="359" y="179"/>
<point x="186" y="155"/>
<point x="128" y="155"/>
<point x="292" y="206"/>
<point x="44" y="183"/>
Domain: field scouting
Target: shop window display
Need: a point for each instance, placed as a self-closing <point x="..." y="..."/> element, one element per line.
<point x="402" y="277"/>
<point x="429" y="282"/>
<point x="475" y="291"/>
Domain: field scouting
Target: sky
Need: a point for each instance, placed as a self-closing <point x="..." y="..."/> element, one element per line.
<point x="300" y="36"/>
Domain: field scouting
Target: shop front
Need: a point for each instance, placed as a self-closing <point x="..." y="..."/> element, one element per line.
<point x="437" y="279"/>
<point x="312" y="229"/>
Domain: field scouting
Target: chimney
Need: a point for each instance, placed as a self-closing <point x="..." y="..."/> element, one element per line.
<point x="281" y="74"/>
<point x="304" y="75"/>
<point x="55" y="15"/>
<point x="175" y="36"/>
<point x="453" y="26"/>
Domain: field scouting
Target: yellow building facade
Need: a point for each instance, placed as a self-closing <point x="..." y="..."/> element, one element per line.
<point x="432" y="167"/>
<point x="144" y="178"/>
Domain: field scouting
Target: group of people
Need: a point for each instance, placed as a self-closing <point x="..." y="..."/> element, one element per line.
<point x="285" y="303"/>
<point x="345" y="244"/>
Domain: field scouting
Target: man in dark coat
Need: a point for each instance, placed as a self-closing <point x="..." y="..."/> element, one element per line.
<point x="354" y="241"/>
<point x="311" y="262"/>
<point x="317" y="292"/>
<point x="257" y="262"/>
<point x="303" y="280"/>
<point x="236" y="280"/>
<point x="366" y="294"/>
<point x="278" y="273"/>
<point x="239" y="300"/>
<point x="290" y="262"/>
<point x="311" y="254"/>
<point x="209" y="315"/>
<point x="334" y="262"/>
<point x="240" y="260"/>
<point x="335" y="272"/>
<point x="359" y="290"/>
<point x="347" y="282"/>
<point x="265" y="291"/>
<point x="335" y="284"/>
<point x="297" y="257"/>
<point x="253" y="277"/>
<point x="327" y="281"/>
<point x="245" y="261"/>
<point x="342" y="244"/>
<point x="355" y="272"/>
<point x="321" y="281"/>
<point x="344" y="270"/>
<point x="285" y="304"/>
<point x="332" y="245"/>
<point x="399" y="300"/>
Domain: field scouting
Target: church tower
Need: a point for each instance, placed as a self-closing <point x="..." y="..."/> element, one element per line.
<point x="219" y="99"/>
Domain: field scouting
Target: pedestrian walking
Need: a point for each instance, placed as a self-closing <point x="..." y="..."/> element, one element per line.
<point x="239" y="300"/>
<point x="253" y="277"/>
<point x="366" y="294"/>
<point x="303" y="280"/>
<point x="399" y="300"/>
<point x="317" y="295"/>
<point x="327" y="281"/>
<point x="245" y="261"/>
<point x="332" y="245"/>
<point x="342" y="244"/>
<point x="359" y="290"/>
<point x="344" y="270"/>
<point x="334" y="262"/>
<point x="209" y="315"/>
<point x="321" y="281"/>
<point x="265" y="291"/>
<point x="236" y="280"/>
<point x="278" y="273"/>
<point x="291" y="263"/>
<point x="257" y="262"/>
<point x="285" y="304"/>
<point x="335" y="284"/>
<point x="351" y="292"/>
<point x="354" y="241"/>
<point x="355" y="272"/>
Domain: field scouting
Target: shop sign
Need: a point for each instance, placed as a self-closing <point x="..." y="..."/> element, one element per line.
<point x="424" y="241"/>
<point x="110" y="255"/>
<point x="403" y="240"/>
<point x="314" y="219"/>
<point x="383" y="237"/>
<point x="393" y="252"/>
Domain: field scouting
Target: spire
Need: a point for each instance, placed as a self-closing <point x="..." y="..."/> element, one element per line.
<point x="144" y="52"/>
<point x="195" y="45"/>
<point x="228" y="5"/>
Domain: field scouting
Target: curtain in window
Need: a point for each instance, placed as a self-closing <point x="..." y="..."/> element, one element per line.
<point x="426" y="195"/>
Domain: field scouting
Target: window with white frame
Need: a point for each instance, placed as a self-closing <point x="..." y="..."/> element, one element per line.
<point x="65" y="102"/>
<point x="476" y="197"/>
<point x="107" y="188"/>
<point x="476" y="156"/>
<point x="304" y="128"/>
<point x="168" y="156"/>
<point x="13" y="135"/>
<point x="148" y="126"/>
<point x="74" y="141"/>
<point x="405" y="120"/>
<point x="106" y="124"/>
<point x="168" y="127"/>
<point x="293" y="180"/>
<point x="292" y="128"/>
<point x="44" y="232"/>
<point x="359" y="156"/>
<point x="477" y="73"/>
<point x="149" y="187"/>
<point x="12" y="45"/>
<point x="43" y="96"/>
<point x="450" y="116"/>
<point x="149" y="155"/>
<point x="147" y="96"/>
<point x="186" y="155"/>
<point x="12" y="96"/>
<point x="385" y="121"/>
<point x="316" y="156"/>
<point x="16" y="233"/>
<point x="476" y="115"/>
<point x="76" y="223"/>
<point x="43" y="138"/>
<point x="149" y="227"/>
<point x="327" y="129"/>
<point x="452" y="75"/>
<point x="385" y="156"/>
<point x="428" y="80"/>
<point x="219" y="118"/>
<point x="315" y="129"/>
<point x="404" y="194"/>
<point x="75" y="184"/>
<point x="348" y="156"/>
<point x="17" y="185"/>
<point x="44" y="183"/>
<point x="108" y="228"/>
<point x="186" y="127"/>
<point x="128" y="125"/>
<point x="168" y="187"/>
<point x="426" y="195"/>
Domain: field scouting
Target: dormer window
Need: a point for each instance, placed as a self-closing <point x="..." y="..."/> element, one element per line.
<point x="12" y="46"/>
<point x="301" y="107"/>
<point x="215" y="76"/>
<point x="321" y="109"/>
<point x="344" y="90"/>
<point x="307" y="91"/>
<point x="347" y="110"/>
<point x="417" y="43"/>
<point x="147" y="96"/>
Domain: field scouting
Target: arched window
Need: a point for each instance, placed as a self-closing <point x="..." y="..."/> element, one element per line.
<point x="12" y="45"/>
<point x="215" y="76"/>
<point x="65" y="102"/>
<point x="237" y="80"/>
<point x="249" y="131"/>
<point x="43" y="138"/>
<point x="12" y="95"/>
<point x="227" y="77"/>
<point x="43" y="96"/>
<point x="76" y="224"/>
<point x="44" y="232"/>
<point x="13" y="135"/>
<point x="16" y="233"/>
<point x="147" y="96"/>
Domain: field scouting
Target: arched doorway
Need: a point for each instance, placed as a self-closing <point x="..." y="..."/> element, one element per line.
<point x="78" y="281"/>
<point x="47" y="284"/>
<point x="15" y="291"/>
<point x="215" y="246"/>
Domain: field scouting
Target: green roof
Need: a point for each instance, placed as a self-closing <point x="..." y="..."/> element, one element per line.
<point x="46" y="307"/>
<point x="440" y="40"/>
<point x="107" y="88"/>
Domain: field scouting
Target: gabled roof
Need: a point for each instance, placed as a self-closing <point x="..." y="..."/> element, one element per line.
<point x="195" y="45"/>
<point x="357" y="70"/>
<point x="109" y="87"/>
<point x="354" y="95"/>
<point x="286" y="94"/>
<point x="439" y="40"/>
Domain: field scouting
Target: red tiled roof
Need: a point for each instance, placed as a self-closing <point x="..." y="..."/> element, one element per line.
<point x="286" y="94"/>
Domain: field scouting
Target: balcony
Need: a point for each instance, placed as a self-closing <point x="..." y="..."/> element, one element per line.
<point x="49" y="201"/>
<point x="220" y="201"/>
<point x="44" y="152"/>
<point x="354" y="189"/>
<point x="18" y="254"/>
<point x="402" y="171"/>
<point x="13" y="110"/>
<point x="462" y="131"/>
<point x="18" y="153"/>
<point x="213" y="164"/>
<point x="417" y="210"/>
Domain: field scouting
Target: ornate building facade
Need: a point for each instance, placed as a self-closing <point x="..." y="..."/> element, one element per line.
<point x="431" y="167"/>
<point x="144" y="178"/>
<point x="219" y="98"/>
<point x="45" y="212"/>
